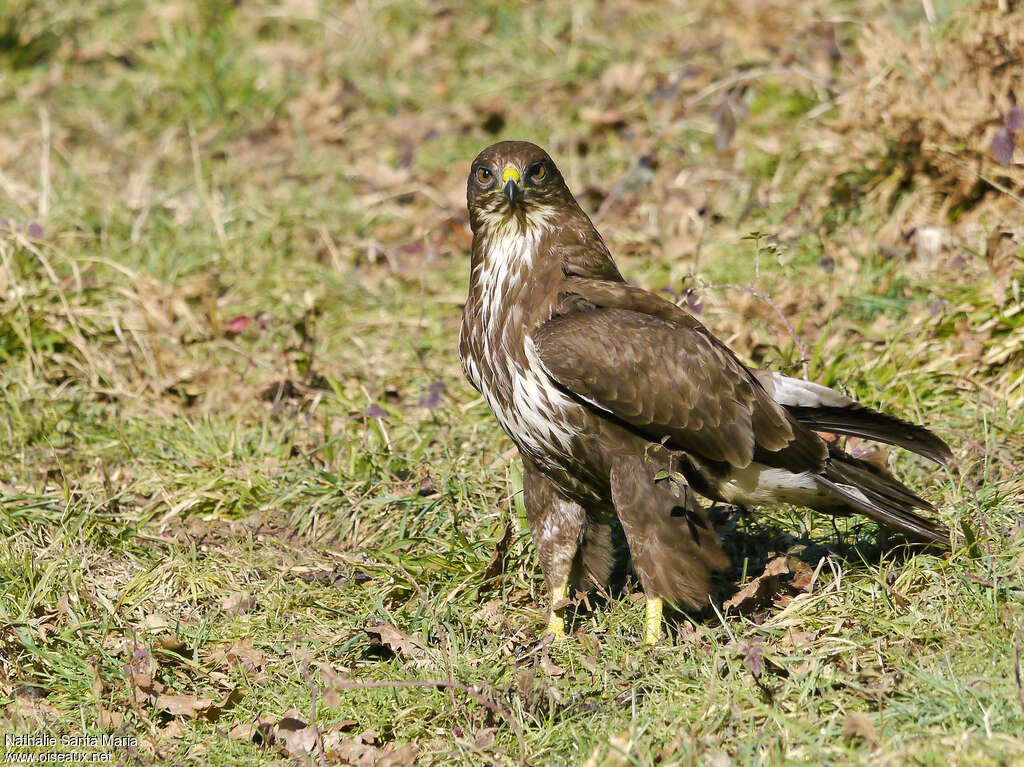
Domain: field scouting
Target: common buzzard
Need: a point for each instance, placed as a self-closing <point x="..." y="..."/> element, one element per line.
<point x="623" y="405"/>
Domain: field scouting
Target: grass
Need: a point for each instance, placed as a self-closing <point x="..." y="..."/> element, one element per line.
<point x="236" y="434"/>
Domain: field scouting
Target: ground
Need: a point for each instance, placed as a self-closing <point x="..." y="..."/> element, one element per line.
<point x="250" y="510"/>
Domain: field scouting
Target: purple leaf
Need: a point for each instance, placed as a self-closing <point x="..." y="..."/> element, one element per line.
<point x="694" y="303"/>
<point x="1002" y="146"/>
<point x="375" y="411"/>
<point x="431" y="397"/>
<point x="237" y="324"/>
<point x="35" y="231"/>
<point x="725" y="126"/>
<point x="753" y="657"/>
<point x="1014" y="120"/>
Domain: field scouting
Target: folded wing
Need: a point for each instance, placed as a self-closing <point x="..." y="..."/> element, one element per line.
<point x="674" y="383"/>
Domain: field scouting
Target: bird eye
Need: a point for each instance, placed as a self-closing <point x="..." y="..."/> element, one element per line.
<point x="484" y="176"/>
<point x="538" y="171"/>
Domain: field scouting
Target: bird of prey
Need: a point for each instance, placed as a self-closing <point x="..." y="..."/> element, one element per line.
<point x="623" y="405"/>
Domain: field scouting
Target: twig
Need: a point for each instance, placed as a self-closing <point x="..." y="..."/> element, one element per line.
<point x="778" y="311"/>
<point x="490" y="705"/>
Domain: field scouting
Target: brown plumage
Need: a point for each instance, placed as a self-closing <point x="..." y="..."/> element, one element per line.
<point x="613" y="395"/>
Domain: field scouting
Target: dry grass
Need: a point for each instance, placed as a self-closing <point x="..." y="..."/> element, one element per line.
<point x="236" y="434"/>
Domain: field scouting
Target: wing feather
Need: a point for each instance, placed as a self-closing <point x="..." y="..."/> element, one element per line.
<point x="670" y="382"/>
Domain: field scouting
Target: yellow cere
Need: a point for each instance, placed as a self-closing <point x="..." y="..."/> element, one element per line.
<point x="509" y="173"/>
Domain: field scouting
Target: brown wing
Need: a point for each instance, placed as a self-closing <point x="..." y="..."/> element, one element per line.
<point x="671" y="381"/>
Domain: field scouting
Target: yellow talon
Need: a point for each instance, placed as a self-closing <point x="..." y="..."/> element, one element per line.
<point x="653" y="628"/>
<point x="556" y="623"/>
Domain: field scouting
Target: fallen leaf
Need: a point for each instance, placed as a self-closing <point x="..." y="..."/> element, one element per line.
<point x="238" y="602"/>
<point x="172" y="730"/>
<point x="26" y="714"/>
<point x="155" y="622"/>
<point x="763" y="588"/>
<point x="238" y="324"/>
<point x="387" y="636"/>
<point x="373" y="410"/>
<point x="361" y="751"/>
<point x="498" y="559"/>
<point x="858" y="725"/>
<point x="1003" y="145"/>
<point x="803" y="576"/>
<point x="616" y="752"/>
<point x="295" y="736"/>
<point x="492" y="615"/>
<point x="1001" y="253"/>
<point x="549" y="667"/>
<point x="182" y="705"/>
<point x="109" y="720"/>
<point x="753" y="657"/>
<point x="241" y="654"/>
<point x="431" y="397"/>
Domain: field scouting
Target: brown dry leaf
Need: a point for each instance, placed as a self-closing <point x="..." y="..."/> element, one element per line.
<point x="589" y="664"/>
<point x="382" y="176"/>
<point x="401" y="644"/>
<point x="616" y="754"/>
<point x="172" y="730"/>
<point x="624" y="77"/>
<point x="600" y="119"/>
<point x="241" y="654"/>
<point x="670" y="749"/>
<point x="875" y="454"/>
<point x="794" y="639"/>
<point x="29" y="713"/>
<point x="97" y="682"/>
<point x="109" y="720"/>
<point x="549" y="667"/>
<point x="356" y="752"/>
<point x="858" y="725"/>
<point x="294" y="736"/>
<point x="247" y="730"/>
<point x="363" y="750"/>
<point x="1001" y="255"/>
<point x="172" y="644"/>
<point x="191" y="706"/>
<point x="803" y="575"/>
<point x="492" y="615"/>
<point x="498" y="559"/>
<point x="763" y="588"/>
<point x="183" y="705"/>
<point x="155" y="622"/>
<point x="238" y="602"/>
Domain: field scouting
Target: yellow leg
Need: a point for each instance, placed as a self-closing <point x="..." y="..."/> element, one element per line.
<point x="653" y="628"/>
<point x="556" y="623"/>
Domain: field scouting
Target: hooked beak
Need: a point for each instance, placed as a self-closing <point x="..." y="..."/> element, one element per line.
<point x="512" y="191"/>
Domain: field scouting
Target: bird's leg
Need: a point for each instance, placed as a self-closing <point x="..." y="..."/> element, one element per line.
<point x="556" y="621"/>
<point x="652" y="632"/>
<point x="556" y="524"/>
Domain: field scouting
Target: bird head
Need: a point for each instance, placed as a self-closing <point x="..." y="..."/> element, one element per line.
<point x="514" y="180"/>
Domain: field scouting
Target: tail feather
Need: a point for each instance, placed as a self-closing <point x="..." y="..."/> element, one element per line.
<point x="884" y="499"/>
<point x="859" y="421"/>
<point x="822" y="409"/>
